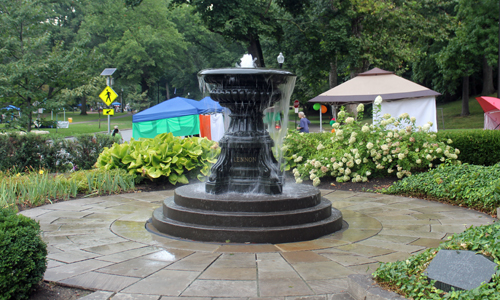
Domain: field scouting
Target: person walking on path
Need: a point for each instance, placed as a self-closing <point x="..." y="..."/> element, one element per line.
<point x="304" y="123"/>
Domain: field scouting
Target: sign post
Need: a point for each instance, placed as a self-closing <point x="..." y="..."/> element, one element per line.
<point x="108" y="96"/>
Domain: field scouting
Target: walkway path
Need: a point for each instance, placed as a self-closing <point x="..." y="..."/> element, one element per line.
<point x="101" y="244"/>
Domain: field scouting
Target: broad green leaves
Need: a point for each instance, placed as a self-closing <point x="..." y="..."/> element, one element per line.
<point x="165" y="155"/>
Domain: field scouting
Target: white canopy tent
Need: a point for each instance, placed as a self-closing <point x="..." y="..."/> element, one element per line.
<point x="399" y="95"/>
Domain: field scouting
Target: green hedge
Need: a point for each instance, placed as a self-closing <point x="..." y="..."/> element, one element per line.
<point x="22" y="255"/>
<point x="84" y="150"/>
<point x="477" y="147"/>
<point x="35" y="152"/>
<point x="30" y="151"/>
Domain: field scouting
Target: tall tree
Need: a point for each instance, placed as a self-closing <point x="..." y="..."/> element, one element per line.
<point x="141" y="42"/>
<point x="34" y="68"/>
<point x="246" y="21"/>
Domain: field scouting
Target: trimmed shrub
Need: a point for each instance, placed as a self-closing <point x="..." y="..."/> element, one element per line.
<point x="477" y="147"/>
<point x="30" y="151"/>
<point x="22" y="255"/>
<point x="86" y="148"/>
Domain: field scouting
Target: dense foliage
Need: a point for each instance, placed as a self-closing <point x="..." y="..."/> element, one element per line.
<point x="22" y="255"/>
<point x="477" y="147"/>
<point x="164" y="156"/>
<point x="407" y="277"/>
<point x="33" y="152"/>
<point x="357" y="151"/>
<point x="84" y="150"/>
<point x="473" y="186"/>
<point x="30" y="151"/>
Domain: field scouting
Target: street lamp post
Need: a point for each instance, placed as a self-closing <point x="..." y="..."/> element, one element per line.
<point x="281" y="59"/>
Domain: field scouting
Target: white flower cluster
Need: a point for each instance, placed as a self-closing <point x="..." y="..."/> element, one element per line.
<point x="357" y="151"/>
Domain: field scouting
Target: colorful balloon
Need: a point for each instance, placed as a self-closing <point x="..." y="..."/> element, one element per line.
<point x="323" y="109"/>
<point x="316" y="106"/>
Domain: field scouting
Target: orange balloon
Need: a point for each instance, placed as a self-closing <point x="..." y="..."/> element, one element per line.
<point x="323" y="109"/>
<point x="333" y="130"/>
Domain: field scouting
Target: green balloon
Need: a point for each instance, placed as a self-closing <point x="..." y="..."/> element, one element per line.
<point x="317" y="106"/>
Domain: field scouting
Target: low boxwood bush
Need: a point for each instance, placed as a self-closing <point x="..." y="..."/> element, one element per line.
<point x="474" y="186"/>
<point x="357" y="151"/>
<point x="22" y="255"/>
<point x="477" y="147"/>
<point x="407" y="278"/>
<point x="164" y="156"/>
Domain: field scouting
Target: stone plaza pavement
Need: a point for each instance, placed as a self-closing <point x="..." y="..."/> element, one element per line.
<point x="101" y="244"/>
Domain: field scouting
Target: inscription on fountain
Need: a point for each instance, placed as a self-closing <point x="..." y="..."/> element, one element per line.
<point x="240" y="159"/>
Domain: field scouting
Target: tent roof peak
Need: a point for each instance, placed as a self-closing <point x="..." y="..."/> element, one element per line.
<point x="375" y="71"/>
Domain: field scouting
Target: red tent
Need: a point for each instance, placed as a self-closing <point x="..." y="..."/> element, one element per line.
<point x="491" y="108"/>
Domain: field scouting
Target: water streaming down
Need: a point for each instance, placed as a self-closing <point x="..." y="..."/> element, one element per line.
<point x="244" y="198"/>
<point x="247" y="162"/>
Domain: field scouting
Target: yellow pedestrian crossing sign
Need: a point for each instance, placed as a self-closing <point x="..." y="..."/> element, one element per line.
<point x="110" y="112"/>
<point x="108" y="95"/>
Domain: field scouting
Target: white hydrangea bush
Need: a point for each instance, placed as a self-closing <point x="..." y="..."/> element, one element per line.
<point x="356" y="152"/>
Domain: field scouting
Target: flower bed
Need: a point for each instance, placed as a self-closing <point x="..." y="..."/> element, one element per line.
<point x="356" y="151"/>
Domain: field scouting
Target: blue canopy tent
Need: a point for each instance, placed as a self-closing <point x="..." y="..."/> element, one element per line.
<point x="207" y="106"/>
<point x="177" y="115"/>
<point x="11" y="107"/>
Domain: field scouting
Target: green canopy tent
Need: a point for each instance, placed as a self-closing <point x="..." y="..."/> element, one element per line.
<point x="177" y="115"/>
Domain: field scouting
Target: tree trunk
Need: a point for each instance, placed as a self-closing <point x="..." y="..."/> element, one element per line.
<point x="30" y="115"/>
<point x="333" y="79"/>
<point x="83" y="110"/>
<point x="488" y="88"/>
<point x="465" y="96"/>
<point x="168" y="92"/>
<point x="144" y="85"/>
<point x="256" y="51"/>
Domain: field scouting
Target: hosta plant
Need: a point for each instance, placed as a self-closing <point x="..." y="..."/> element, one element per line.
<point x="357" y="151"/>
<point x="163" y="156"/>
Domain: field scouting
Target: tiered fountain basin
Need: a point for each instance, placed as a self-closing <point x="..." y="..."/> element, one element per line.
<point x="298" y="214"/>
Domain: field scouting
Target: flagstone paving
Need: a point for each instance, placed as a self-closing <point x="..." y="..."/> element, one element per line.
<point x="102" y="244"/>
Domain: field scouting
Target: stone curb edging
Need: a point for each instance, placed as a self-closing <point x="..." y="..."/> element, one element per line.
<point x="363" y="287"/>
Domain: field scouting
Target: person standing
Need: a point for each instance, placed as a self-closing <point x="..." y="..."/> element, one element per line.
<point x="116" y="134"/>
<point x="304" y="123"/>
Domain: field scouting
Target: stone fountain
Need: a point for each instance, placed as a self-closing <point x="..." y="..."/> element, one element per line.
<point x="245" y="198"/>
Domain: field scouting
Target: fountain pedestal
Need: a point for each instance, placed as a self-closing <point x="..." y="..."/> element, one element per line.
<point x="246" y="162"/>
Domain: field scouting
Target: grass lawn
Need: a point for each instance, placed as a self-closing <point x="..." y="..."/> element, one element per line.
<point x="453" y="120"/>
<point x="92" y="126"/>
